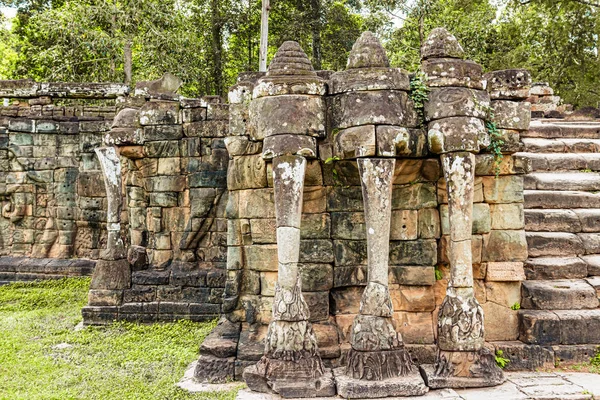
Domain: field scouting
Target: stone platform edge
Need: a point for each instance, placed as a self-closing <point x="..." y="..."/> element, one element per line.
<point x="19" y="269"/>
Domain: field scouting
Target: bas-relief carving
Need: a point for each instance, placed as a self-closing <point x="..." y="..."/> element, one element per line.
<point x="462" y="359"/>
<point x="460" y="324"/>
<point x="22" y="199"/>
<point x="289" y="304"/>
<point x="377" y="355"/>
<point x="291" y="365"/>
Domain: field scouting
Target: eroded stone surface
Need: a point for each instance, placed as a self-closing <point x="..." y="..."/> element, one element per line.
<point x="455" y="102"/>
<point x="456" y="134"/>
<point x="440" y="43"/>
<point x="463" y="370"/>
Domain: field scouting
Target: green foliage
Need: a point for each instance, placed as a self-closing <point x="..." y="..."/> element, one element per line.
<point x="334" y="172"/>
<point x="208" y="42"/>
<point x="419" y="94"/>
<point x="516" y="306"/>
<point x="595" y="361"/>
<point x="496" y="141"/>
<point x="470" y="21"/>
<point x="495" y="146"/>
<point x="501" y="361"/>
<point x="119" y="361"/>
<point x="8" y="42"/>
<point x="439" y="275"/>
<point x="557" y="41"/>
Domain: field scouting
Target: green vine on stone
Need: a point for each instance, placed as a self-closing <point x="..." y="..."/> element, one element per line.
<point x="496" y="141"/>
<point x="334" y="172"/>
<point x="501" y="361"/>
<point x="495" y="146"/>
<point x="595" y="360"/>
<point x="419" y="94"/>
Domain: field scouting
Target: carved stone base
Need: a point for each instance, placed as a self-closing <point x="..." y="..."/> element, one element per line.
<point x="463" y="369"/>
<point x="377" y="365"/>
<point x="305" y="377"/>
<point x="460" y="321"/>
<point x="290" y="341"/>
<point x="411" y="384"/>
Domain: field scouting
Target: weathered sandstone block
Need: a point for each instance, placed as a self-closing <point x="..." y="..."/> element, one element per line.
<point x="289" y="114"/>
<point x="381" y="107"/>
<point x="456" y="102"/>
<point x="456" y="134"/>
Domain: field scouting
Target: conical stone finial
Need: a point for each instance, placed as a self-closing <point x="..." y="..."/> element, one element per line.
<point x="290" y="59"/>
<point x="367" y="52"/>
<point x="441" y="44"/>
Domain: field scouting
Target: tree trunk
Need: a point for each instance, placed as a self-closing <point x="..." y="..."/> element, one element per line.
<point x="264" y="35"/>
<point x="315" y="8"/>
<point x="217" y="46"/>
<point x="127" y="61"/>
<point x="424" y="6"/>
<point x="113" y="33"/>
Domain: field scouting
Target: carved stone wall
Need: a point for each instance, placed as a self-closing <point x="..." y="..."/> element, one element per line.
<point x="173" y="163"/>
<point x="198" y="216"/>
<point x="333" y="255"/>
<point x="175" y="169"/>
<point x="53" y="198"/>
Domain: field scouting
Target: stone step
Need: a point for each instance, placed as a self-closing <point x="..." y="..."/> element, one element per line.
<point x="560" y="294"/>
<point x="554" y="199"/>
<point x="581" y="162"/>
<point x="570" y="181"/>
<point x="537" y="220"/>
<point x="559" y="220"/>
<point x="537" y="145"/>
<point x="532" y="357"/>
<point x="593" y="264"/>
<point x="594" y="281"/>
<point x="559" y="327"/>
<point x="549" y="244"/>
<point x="548" y="268"/>
<point x="560" y="130"/>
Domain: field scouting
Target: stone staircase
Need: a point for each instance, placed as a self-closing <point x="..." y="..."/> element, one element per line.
<point x="560" y="305"/>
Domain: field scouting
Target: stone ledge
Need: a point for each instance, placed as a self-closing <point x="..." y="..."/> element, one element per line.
<point x="26" y="88"/>
<point x="18" y="269"/>
<point x="150" y="312"/>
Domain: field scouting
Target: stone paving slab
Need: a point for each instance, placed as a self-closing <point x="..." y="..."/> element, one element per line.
<point x="519" y="386"/>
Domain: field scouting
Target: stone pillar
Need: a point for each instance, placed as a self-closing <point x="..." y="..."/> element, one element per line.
<point x="455" y="111"/>
<point x="112" y="273"/>
<point x="378" y="364"/>
<point x="288" y="112"/>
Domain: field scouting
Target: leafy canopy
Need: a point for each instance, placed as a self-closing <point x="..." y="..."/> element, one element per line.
<point x="208" y="42"/>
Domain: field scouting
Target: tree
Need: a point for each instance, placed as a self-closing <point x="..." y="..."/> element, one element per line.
<point x="7" y="44"/>
<point x="557" y="40"/>
<point x="470" y="21"/>
<point x="208" y="42"/>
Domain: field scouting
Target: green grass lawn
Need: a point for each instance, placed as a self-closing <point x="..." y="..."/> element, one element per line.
<point x="119" y="361"/>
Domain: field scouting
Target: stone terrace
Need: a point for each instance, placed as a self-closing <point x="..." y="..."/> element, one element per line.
<point x="560" y="307"/>
<point x="199" y="224"/>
